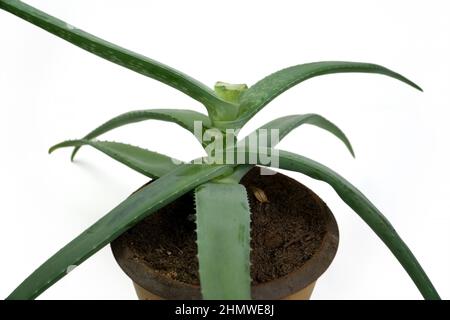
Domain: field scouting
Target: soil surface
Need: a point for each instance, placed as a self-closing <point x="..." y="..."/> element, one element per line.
<point x="287" y="228"/>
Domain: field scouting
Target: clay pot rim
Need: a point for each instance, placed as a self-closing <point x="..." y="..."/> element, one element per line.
<point x="168" y="288"/>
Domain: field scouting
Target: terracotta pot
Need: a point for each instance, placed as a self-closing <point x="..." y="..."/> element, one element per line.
<point x="297" y="285"/>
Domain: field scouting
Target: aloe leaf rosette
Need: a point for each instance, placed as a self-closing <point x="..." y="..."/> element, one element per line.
<point x="222" y="212"/>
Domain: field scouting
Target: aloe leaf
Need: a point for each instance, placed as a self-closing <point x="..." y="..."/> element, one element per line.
<point x="223" y="240"/>
<point x="267" y="89"/>
<point x="120" y="56"/>
<point x="138" y="206"/>
<point x="285" y="125"/>
<point x="149" y="163"/>
<point x="236" y="175"/>
<point x="184" y="118"/>
<point x="366" y="210"/>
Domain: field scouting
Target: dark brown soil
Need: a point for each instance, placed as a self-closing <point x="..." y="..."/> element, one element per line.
<point x="286" y="231"/>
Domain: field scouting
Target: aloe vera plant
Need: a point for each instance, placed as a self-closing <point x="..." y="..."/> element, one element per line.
<point x="223" y="214"/>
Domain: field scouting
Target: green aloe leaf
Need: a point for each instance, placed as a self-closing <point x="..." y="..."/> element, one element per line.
<point x="285" y="125"/>
<point x="184" y="118"/>
<point x="138" y="206"/>
<point x="366" y="210"/>
<point x="267" y="89"/>
<point x="223" y="240"/>
<point x="149" y="163"/>
<point x="123" y="57"/>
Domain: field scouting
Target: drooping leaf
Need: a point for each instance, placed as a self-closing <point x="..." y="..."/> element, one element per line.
<point x="223" y="239"/>
<point x="123" y="57"/>
<point x="267" y="89"/>
<point x="366" y="210"/>
<point x="285" y="125"/>
<point x="149" y="163"/>
<point x="138" y="206"/>
<point x="184" y="118"/>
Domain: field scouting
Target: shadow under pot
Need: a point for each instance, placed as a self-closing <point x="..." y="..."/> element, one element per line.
<point x="294" y="238"/>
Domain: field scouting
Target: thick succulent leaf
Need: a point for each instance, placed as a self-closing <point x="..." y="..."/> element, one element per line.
<point x="223" y="241"/>
<point x="118" y="55"/>
<point x="285" y="125"/>
<point x="236" y="175"/>
<point x="138" y="206"/>
<point x="149" y="163"/>
<point x="267" y="89"/>
<point x="184" y="118"/>
<point x="367" y="211"/>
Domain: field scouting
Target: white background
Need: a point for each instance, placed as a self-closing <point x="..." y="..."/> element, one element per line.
<point x="51" y="91"/>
